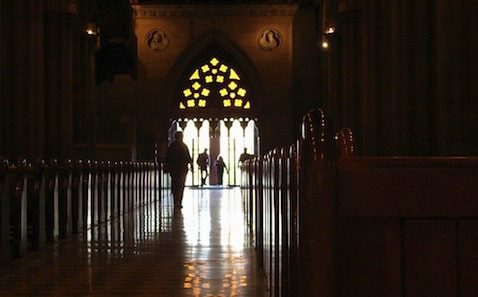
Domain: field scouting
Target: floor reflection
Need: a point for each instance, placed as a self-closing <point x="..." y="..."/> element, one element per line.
<point x="201" y="251"/>
<point x="214" y="227"/>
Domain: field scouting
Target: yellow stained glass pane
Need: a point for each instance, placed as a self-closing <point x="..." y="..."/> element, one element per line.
<point x="241" y="92"/>
<point x="195" y="75"/>
<point x="191" y="103"/>
<point x="232" y="85"/>
<point x="181" y="106"/>
<point x="187" y="92"/>
<point x="223" y="68"/>
<point x="205" y="92"/>
<point x="196" y="85"/>
<point x="202" y="103"/>
<point x="223" y="92"/>
<point x="196" y="95"/>
<point x="220" y="79"/>
<point x="209" y="79"/>
<point x="214" y="71"/>
<point x="238" y="102"/>
<point x="205" y="68"/>
<point x="227" y="102"/>
<point x="232" y="95"/>
<point x="247" y="105"/>
<point x="233" y="75"/>
<point x="214" y="61"/>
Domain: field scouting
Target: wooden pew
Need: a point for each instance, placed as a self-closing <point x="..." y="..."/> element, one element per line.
<point x="36" y="204"/>
<point x="407" y="225"/>
<point x="330" y="223"/>
<point x="5" y="184"/>
<point x="47" y="202"/>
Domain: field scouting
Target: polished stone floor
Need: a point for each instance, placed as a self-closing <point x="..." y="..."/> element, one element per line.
<point x="202" y="251"/>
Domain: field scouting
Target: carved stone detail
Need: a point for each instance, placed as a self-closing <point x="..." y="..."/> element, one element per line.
<point x="270" y="39"/>
<point x="157" y="40"/>
<point x="157" y="11"/>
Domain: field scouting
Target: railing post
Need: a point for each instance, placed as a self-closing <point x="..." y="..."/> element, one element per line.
<point x="114" y="190"/>
<point x="77" y="197"/>
<point x="345" y="143"/>
<point x="316" y="209"/>
<point x="267" y="224"/>
<point x="294" y="220"/>
<point x="135" y="184"/>
<point x="52" y="219"/>
<point x="36" y="205"/>
<point x="250" y="193"/>
<point x="285" y="222"/>
<point x="276" y="225"/>
<point x="87" y="179"/>
<point x="18" y="210"/>
<point x="94" y="194"/>
<point x="129" y="186"/>
<point x="260" y="210"/>
<point x="108" y="191"/>
<point x="64" y="202"/>
<point x="122" y="188"/>
<point x="5" y="185"/>
<point x="101" y="192"/>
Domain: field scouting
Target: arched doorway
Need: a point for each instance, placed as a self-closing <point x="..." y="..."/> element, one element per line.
<point x="215" y="109"/>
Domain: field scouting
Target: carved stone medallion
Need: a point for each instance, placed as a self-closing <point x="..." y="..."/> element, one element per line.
<point x="270" y="39"/>
<point x="157" y="40"/>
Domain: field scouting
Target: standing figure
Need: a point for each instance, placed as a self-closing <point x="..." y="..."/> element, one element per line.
<point x="177" y="160"/>
<point x="245" y="156"/>
<point x="220" y="166"/>
<point x="203" y="163"/>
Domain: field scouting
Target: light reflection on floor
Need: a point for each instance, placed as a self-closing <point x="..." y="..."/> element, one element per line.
<point x="217" y="261"/>
<point x="201" y="251"/>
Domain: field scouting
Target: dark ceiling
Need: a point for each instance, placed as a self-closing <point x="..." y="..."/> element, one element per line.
<point x="209" y="1"/>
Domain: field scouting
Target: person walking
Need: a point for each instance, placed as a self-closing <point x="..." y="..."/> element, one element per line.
<point x="220" y="166"/>
<point x="177" y="160"/>
<point x="203" y="163"/>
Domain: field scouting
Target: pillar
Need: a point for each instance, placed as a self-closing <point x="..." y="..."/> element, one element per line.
<point x="60" y="19"/>
<point x="84" y="101"/>
<point x="22" y="78"/>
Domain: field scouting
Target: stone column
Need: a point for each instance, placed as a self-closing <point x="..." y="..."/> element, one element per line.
<point x="2" y="73"/>
<point x="84" y="105"/>
<point x="60" y="23"/>
<point x="22" y="79"/>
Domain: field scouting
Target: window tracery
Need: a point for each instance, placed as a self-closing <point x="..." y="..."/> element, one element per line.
<point x="214" y="75"/>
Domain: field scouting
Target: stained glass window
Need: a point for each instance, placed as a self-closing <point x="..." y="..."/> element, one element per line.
<point x="214" y="75"/>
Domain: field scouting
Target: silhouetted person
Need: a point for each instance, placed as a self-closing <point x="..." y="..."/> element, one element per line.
<point x="203" y="163"/>
<point x="177" y="160"/>
<point x="245" y="156"/>
<point x="220" y="166"/>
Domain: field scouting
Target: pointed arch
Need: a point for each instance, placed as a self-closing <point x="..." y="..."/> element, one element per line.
<point x="200" y="53"/>
<point x="214" y="81"/>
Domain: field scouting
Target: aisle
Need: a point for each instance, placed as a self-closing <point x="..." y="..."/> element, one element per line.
<point x="202" y="251"/>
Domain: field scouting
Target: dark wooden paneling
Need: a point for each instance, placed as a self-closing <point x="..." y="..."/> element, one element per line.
<point x="404" y="72"/>
<point x="408" y="187"/>
<point x="468" y="258"/>
<point x="368" y="257"/>
<point x="429" y="258"/>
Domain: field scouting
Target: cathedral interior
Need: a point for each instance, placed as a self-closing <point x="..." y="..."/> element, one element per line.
<point x="112" y="80"/>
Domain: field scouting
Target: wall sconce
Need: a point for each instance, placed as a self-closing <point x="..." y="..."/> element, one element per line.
<point x="92" y="30"/>
<point x="329" y="30"/>
<point x="327" y="27"/>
